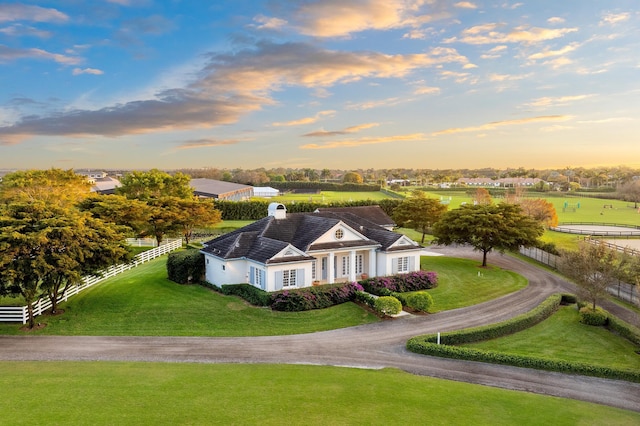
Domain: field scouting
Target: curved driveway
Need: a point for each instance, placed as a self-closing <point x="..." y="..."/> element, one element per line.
<point x="376" y="345"/>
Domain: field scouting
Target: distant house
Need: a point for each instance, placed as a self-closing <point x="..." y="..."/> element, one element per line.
<point x="91" y="174"/>
<point x="286" y="251"/>
<point x="265" y="191"/>
<point x="221" y="190"/>
<point x="502" y="182"/>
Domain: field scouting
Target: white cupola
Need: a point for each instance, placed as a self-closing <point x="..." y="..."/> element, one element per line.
<point x="277" y="210"/>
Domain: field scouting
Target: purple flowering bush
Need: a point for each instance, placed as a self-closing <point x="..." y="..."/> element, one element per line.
<point x="401" y="283"/>
<point x="308" y="298"/>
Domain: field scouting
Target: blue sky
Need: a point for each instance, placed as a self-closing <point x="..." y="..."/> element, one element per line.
<point x="319" y="83"/>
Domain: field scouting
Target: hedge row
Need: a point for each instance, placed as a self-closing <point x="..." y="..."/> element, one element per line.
<point x="251" y="294"/>
<point x="625" y="330"/>
<point x="186" y="266"/>
<point x="427" y="344"/>
<point x="326" y="186"/>
<point x="320" y="297"/>
<point x="401" y="283"/>
<point x="492" y="331"/>
<point x="254" y="210"/>
<point x="302" y="299"/>
<point x="522" y="361"/>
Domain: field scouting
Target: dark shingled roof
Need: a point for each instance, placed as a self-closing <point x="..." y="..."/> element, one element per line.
<point x="268" y="236"/>
<point x="373" y="214"/>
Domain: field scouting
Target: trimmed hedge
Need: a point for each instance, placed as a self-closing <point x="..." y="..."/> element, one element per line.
<point x="308" y="298"/>
<point x="522" y="361"/>
<point x="251" y="294"/>
<point x="590" y="316"/>
<point x="186" y="266"/>
<point x="401" y="283"/>
<point x="387" y="305"/>
<point x="257" y="209"/>
<point x="419" y="301"/>
<point x="427" y="344"/>
<point x="623" y="329"/>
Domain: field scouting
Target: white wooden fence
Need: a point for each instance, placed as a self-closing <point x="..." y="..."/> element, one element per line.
<point x="20" y="313"/>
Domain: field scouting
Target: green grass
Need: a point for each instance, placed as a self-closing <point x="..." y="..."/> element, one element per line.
<point x="198" y="394"/>
<point x="459" y="284"/>
<point x="331" y="196"/>
<point x="562" y="337"/>
<point x="143" y="302"/>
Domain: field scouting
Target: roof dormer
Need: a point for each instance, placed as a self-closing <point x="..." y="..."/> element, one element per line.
<point x="277" y="210"/>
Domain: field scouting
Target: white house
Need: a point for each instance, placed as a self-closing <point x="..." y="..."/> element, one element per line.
<point x="286" y="251"/>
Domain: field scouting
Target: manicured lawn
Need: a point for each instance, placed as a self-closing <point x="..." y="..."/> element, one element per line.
<point x="331" y="196"/>
<point x="459" y="284"/>
<point x="155" y="393"/>
<point x="143" y="302"/>
<point x="563" y="337"/>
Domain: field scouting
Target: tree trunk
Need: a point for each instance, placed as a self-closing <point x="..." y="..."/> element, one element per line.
<point x="484" y="258"/>
<point x="30" y="314"/>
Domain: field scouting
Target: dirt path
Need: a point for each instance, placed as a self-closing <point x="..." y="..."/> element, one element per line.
<point x="369" y="346"/>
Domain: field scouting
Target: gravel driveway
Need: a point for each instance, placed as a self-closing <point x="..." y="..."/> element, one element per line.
<point x="376" y="345"/>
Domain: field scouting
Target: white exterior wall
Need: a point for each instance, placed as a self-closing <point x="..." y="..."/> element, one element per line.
<point x="271" y="283"/>
<point x="386" y="261"/>
<point x="234" y="272"/>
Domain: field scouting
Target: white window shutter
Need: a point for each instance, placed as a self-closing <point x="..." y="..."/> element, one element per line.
<point x="278" y="283"/>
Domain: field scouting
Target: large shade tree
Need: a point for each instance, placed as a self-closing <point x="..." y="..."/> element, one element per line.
<point x="45" y="248"/>
<point x="419" y="212"/>
<point x="488" y="227"/>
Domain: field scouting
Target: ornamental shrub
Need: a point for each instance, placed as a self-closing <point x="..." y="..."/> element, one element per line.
<point x="251" y="294"/>
<point x="401" y="283"/>
<point x="387" y="305"/>
<point x="420" y="301"/>
<point x="592" y="316"/>
<point x="186" y="266"/>
<point x="308" y="298"/>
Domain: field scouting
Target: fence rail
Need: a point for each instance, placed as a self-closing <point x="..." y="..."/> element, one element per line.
<point x="625" y="249"/>
<point x="619" y="289"/>
<point x="20" y="313"/>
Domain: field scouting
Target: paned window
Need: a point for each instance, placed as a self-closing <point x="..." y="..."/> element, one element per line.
<point x="403" y="264"/>
<point x="289" y="278"/>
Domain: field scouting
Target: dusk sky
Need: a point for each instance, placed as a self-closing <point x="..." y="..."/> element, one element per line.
<point x="319" y="83"/>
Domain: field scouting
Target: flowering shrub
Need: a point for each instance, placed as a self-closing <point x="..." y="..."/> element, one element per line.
<point x="413" y="281"/>
<point x="320" y="297"/>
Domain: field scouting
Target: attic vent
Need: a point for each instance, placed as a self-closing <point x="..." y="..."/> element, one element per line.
<point x="289" y="253"/>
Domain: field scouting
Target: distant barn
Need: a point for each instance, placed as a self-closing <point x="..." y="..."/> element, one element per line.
<point x="221" y="190"/>
<point x="265" y="191"/>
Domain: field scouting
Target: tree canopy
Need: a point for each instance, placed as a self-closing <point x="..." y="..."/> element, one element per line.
<point x="45" y="248"/>
<point x="54" y="186"/>
<point x="155" y="184"/>
<point x="352" y="177"/>
<point x="487" y="227"/>
<point x="418" y="212"/>
<point x="593" y="267"/>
